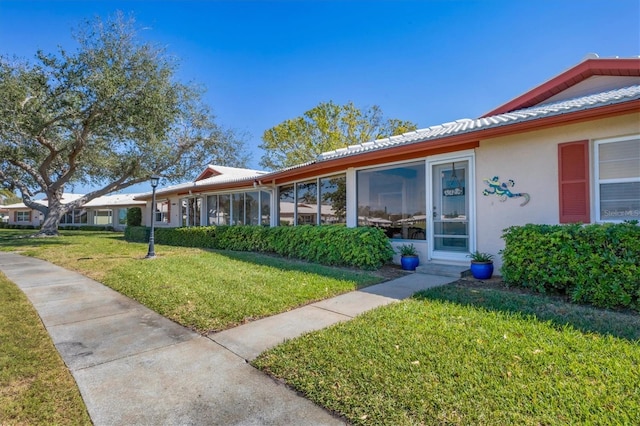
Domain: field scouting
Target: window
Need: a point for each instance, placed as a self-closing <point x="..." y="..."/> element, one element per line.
<point x="307" y="203"/>
<point x="75" y="217"/>
<point x="239" y="208"/>
<point x="122" y="216"/>
<point x="393" y="198"/>
<point x="212" y="210"/>
<point x="191" y="208"/>
<point x="252" y="208"/>
<point x="265" y="208"/>
<point x="333" y="199"/>
<point x="23" y="216"/>
<point x="617" y="179"/>
<point x="314" y="202"/>
<point x="163" y="208"/>
<point x="287" y="210"/>
<point x="80" y="216"/>
<point x="224" y="206"/>
<point x="102" y="217"/>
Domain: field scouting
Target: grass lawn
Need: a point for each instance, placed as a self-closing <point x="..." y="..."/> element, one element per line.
<point x="204" y="290"/>
<point x="471" y="355"/>
<point x="35" y="385"/>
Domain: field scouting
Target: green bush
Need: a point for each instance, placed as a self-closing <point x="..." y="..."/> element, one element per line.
<point x="597" y="264"/>
<point x="100" y="228"/>
<point x="366" y="248"/>
<point x="137" y="234"/>
<point x="134" y="216"/>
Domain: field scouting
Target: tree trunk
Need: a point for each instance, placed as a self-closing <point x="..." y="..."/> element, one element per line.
<point x="51" y="220"/>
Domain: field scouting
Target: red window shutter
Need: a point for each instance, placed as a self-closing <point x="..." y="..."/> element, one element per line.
<point x="168" y="211"/>
<point x="15" y="216"/>
<point x="29" y="216"/>
<point x="573" y="181"/>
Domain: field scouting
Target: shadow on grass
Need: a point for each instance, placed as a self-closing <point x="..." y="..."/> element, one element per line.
<point x="362" y="278"/>
<point x="622" y="324"/>
<point x="14" y="239"/>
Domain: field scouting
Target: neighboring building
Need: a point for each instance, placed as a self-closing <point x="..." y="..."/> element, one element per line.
<point x="108" y="210"/>
<point x="566" y="151"/>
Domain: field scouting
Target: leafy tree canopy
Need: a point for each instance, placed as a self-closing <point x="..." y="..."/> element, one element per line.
<point x="326" y="127"/>
<point x="110" y="114"/>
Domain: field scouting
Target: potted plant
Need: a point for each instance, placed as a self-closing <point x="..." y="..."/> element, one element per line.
<point x="481" y="265"/>
<point x="409" y="257"/>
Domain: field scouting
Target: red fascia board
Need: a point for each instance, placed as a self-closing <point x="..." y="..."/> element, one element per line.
<point x="571" y="77"/>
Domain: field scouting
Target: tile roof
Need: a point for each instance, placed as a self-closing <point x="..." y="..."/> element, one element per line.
<point x="228" y="175"/>
<point x="469" y="125"/>
<point x="104" y="201"/>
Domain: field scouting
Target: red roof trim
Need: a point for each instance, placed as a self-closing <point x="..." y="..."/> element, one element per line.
<point x="571" y="77"/>
<point x="207" y="173"/>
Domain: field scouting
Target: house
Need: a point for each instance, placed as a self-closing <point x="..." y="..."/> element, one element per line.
<point x="108" y="210"/>
<point x="566" y="151"/>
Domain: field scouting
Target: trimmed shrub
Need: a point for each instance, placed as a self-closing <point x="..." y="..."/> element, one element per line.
<point x="134" y="216"/>
<point x="137" y="234"/>
<point x="85" y="228"/>
<point x="366" y="248"/>
<point x="597" y="264"/>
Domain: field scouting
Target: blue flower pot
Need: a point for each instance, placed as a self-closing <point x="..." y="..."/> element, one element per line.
<point x="409" y="263"/>
<point x="482" y="271"/>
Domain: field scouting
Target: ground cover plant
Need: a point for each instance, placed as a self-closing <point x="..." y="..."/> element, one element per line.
<point x="201" y="289"/>
<point x="433" y="361"/>
<point x="35" y="385"/>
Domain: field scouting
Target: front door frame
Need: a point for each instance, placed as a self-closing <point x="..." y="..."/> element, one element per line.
<point x="450" y="256"/>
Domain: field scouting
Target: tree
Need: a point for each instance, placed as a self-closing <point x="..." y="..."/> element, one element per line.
<point x="325" y="127"/>
<point x="109" y="115"/>
<point x="7" y="196"/>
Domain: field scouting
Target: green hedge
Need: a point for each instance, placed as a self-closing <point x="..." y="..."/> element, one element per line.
<point x="366" y="248"/>
<point x="85" y="228"/>
<point x="597" y="264"/>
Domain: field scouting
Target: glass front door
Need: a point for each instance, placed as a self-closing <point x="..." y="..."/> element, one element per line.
<point x="450" y="210"/>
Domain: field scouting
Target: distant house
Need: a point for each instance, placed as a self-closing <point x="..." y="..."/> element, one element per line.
<point x="566" y="151"/>
<point x="108" y="210"/>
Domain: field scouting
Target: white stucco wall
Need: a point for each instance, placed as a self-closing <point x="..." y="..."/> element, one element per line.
<point x="531" y="160"/>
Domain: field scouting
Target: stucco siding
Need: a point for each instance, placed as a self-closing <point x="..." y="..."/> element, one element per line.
<point x="531" y="161"/>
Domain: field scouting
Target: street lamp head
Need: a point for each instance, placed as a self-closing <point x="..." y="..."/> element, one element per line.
<point x="154" y="180"/>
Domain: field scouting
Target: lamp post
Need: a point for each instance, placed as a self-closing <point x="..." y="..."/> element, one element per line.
<point x="154" y="183"/>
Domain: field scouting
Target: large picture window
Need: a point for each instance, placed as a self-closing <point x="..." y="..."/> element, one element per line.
<point x="618" y="179"/>
<point x="393" y="198"/>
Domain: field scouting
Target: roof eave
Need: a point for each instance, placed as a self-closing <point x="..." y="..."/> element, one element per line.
<point x="571" y="77"/>
<point x="420" y="148"/>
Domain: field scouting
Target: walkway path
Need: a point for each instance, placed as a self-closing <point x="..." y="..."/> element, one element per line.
<point x="134" y="366"/>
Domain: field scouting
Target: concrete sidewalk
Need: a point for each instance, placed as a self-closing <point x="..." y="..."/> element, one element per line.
<point x="133" y="366"/>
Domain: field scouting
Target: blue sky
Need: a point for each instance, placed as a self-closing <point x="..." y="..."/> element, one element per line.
<point x="429" y="62"/>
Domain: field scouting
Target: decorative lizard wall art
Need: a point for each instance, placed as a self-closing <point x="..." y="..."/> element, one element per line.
<point x="502" y="190"/>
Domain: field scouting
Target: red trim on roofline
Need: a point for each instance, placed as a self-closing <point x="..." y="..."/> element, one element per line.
<point x="207" y="173"/>
<point x="613" y="67"/>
